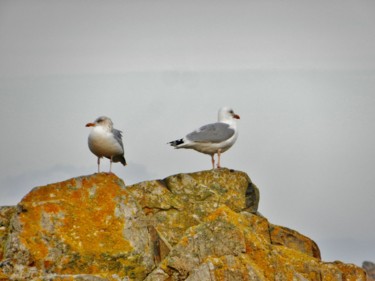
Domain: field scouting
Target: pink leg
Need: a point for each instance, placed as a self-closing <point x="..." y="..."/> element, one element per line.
<point x="218" y="159"/>
<point x="110" y="166"/>
<point x="213" y="161"/>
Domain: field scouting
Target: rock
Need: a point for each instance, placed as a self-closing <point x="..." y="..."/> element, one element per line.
<point x="178" y="202"/>
<point x="227" y="246"/>
<point x="369" y="267"/>
<point x="86" y="225"/>
<point x="198" y="226"/>
<point x="294" y="240"/>
<point x="6" y="214"/>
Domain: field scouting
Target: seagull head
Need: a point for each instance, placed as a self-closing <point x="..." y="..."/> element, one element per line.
<point x="226" y="114"/>
<point x="102" y="121"/>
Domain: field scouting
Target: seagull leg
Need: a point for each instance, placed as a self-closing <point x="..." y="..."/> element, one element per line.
<point x="110" y="165"/>
<point x="218" y="159"/>
<point x="98" y="164"/>
<point x="213" y="161"/>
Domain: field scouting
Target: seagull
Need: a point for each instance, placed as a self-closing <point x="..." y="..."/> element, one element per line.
<point x="105" y="141"/>
<point x="214" y="138"/>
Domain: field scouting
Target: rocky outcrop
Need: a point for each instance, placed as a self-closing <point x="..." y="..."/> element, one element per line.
<point x="199" y="226"/>
<point x="369" y="267"/>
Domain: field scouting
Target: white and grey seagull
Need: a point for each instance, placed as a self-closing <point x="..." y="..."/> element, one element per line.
<point x="105" y="141"/>
<point x="214" y="138"/>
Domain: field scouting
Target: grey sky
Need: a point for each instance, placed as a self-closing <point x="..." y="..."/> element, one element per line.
<point x="301" y="75"/>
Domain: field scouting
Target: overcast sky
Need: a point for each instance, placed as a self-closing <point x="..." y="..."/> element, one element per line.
<point x="301" y="74"/>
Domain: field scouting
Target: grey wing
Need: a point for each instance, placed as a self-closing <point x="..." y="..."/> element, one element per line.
<point x="118" y="137"/>
<point x="216" y="132"/>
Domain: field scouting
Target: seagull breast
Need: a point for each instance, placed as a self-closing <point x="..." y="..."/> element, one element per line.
<point x="103" y="144"/>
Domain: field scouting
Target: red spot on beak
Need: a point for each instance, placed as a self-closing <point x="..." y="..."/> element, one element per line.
<point x="236" y="116"/>
<point x="90" y="125"/>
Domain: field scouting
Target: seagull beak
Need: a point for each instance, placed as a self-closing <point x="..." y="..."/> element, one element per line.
<point x="236" y="116"/>
<point x="90" y="125"/>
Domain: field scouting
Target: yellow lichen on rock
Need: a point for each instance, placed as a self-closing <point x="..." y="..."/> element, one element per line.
<point x="180" y="201"/>
<point x="6" y="214"/>
<point x="225" y="246"/>
<point x="350" y="272"/>
<point x="91" y="230"/>
<point x="80" y="226"/>
<point x="195" y="227"/>
<point x="292" y="239"/>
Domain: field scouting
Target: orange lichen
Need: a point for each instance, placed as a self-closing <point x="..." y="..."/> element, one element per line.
<point x="51" y="208"/>
<point x="351" y="272"/>
<point x="184" y="241"/>
<point x="223" y="212"/>
<point x="232" y="267"/>
<point x="3" y="276"/>
<point x="81" y="215"/>
<point x="85" y="226"/>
